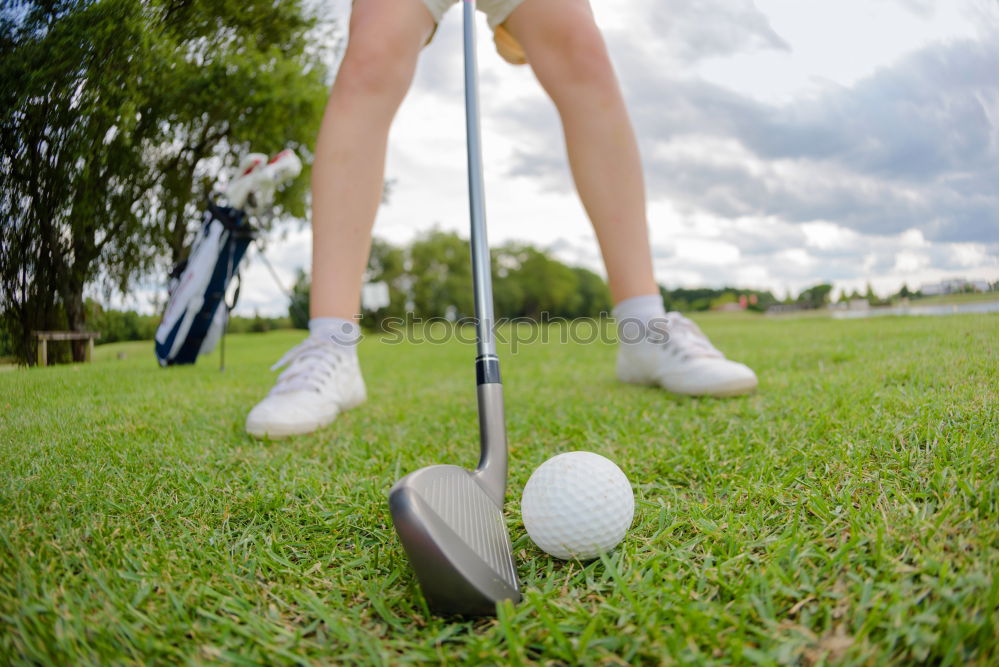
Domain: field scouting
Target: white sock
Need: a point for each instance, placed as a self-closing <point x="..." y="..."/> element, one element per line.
<point x="342" y="333"/>
<point x="641" y="319"/>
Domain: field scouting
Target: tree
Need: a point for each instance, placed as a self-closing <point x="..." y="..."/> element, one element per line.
<point x="704" y="298"/>
<point x="683" y="299"/>
<point x="870" y="296"/>
<point x="387" y="263"/>
<point x="594" y="297"/>
<point x="765" y="299"/>
<point x="432" y="278"/>
<point x="233" y="77"/>
<point x="298" y="307"/>
<point x="727" y="297"/>
<point x="115" y="117"/>
<point x="442" y="275"/>
<point x="549" y="286"/>
<point x="528" y="283"/>
<point x="118" y="325"/>
<point x="816" y="296"/>
<point x="70" y="145"/>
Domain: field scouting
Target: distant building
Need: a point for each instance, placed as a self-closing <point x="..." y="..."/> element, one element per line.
<point x="779" y="308"/>
<point x="954" y="286"/>
<point x="858" y="304"/>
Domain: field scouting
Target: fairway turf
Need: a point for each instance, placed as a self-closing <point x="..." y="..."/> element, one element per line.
<point x="846" y="513"/>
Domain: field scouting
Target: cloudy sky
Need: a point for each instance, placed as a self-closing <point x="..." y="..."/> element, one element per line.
<point x="785" y="142"/>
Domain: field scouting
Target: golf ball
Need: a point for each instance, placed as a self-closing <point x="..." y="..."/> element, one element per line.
<point x="577" y="505"/>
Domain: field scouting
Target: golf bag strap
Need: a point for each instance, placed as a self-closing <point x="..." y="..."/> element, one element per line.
<point x="233" y="220"/>
<point x="236" y="293"/>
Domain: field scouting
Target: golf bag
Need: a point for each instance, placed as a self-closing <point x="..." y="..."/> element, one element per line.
<point x="197" y="313"/>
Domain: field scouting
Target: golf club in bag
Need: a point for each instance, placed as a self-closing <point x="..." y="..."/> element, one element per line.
<point x="197" y="313"/>
<point x="449" y="519"/>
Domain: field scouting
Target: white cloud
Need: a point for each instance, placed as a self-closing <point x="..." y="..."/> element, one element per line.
<point x="968" y="255"/>
<point x="913" y="238"/>
<point x="708" y="253"/>
<point x="828" y="236"/>
<point x="836" y="44"/>
<point x="908" y="261"/>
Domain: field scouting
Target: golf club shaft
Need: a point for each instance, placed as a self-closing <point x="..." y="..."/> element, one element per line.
<point x="482" y="281"/>
<point x="492" y="468"/>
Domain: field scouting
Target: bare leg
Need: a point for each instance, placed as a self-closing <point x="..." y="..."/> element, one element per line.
<point x="385" y="39"/>
<point x="567" y="53"/>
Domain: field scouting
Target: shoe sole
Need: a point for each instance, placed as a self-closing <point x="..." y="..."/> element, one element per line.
<point x="735" y="388"/>
<point x="283" y="431"/>
<point x="272" y="432"/>
<point x="725" y="393"/>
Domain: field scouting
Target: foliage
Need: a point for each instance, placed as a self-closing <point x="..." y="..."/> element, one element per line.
<point x="115" y="119"/>
<point x="706" y="298"/>
<point x="725" y="299"/>
<point x="118" y="325"/>
<point x="298" y="305"/>
<point x="528" y="282"/>
<point x="442" y="276"/>
<point x="387" y="264"/>
<point x="592" y="295"/>
<point x="845" y="514"/>
<point x="872" y="298"/>
<point x="6" y="343"/>
<point x="128" y="325"/>
<point x="817" y="296"/>
<point x="432" y="278"/>
<point x="258" y="324"/>
<point x="71" y="142"/>
<point x="233" y="77"/>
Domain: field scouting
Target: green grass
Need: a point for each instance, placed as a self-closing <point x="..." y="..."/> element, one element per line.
<point x="846" y="513"/>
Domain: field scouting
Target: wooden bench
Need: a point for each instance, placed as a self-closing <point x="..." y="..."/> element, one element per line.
<point x="44" y="337"/>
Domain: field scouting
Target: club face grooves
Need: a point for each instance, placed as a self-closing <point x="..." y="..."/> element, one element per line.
<point x="456" y="540"/>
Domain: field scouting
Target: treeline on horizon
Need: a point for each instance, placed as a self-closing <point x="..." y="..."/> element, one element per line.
<point x="432" y="278"/>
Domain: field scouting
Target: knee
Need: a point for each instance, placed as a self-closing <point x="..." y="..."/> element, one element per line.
<point x="375" y="68"/>
<point x="576" y="56"/>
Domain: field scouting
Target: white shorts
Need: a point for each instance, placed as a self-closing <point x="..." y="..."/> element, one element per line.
<point x="496" y="11"/>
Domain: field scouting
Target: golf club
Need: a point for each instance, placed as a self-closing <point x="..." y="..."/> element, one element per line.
<point x="449" y="519"/>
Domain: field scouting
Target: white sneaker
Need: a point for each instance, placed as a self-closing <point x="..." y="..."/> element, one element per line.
<point x="322" y="380"/>
<point x="685" y="363"/>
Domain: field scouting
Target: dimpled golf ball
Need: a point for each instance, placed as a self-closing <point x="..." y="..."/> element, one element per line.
<point x="577" y="505"/>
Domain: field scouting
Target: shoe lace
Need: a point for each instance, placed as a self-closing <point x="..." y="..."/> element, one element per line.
<point x="309" y="363"/>
<point x="687" y="339"/>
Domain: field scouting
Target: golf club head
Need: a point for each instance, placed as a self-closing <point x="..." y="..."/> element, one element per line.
<point x="456" y="539"/>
